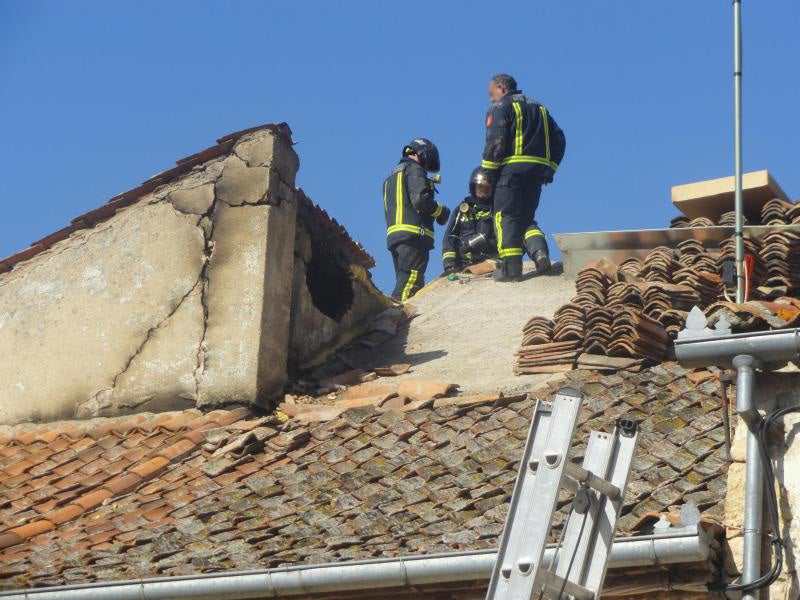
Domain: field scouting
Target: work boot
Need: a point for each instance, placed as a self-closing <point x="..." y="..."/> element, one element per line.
<point x="542" y="261"/>
<point x="510" y="269"/>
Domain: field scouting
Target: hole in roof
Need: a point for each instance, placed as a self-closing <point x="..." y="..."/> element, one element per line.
<point x="329" y="283"/>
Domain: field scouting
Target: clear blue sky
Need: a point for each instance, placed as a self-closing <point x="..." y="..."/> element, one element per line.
<point x="98" y="96"/>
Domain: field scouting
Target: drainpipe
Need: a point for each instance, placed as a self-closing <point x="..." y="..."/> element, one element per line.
<point x="681" y="545"/>
<point x="754" y="472"/>
<point x="699" y="346"/>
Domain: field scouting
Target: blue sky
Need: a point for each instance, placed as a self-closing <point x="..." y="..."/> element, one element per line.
<point x="98" y="96"/>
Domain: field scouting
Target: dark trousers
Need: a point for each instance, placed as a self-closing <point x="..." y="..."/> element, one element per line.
<point x="410" y="261"/>
<point x="516" y="198"/>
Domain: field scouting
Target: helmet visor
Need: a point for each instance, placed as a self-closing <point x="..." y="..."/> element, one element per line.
<point x="483" y="187"/>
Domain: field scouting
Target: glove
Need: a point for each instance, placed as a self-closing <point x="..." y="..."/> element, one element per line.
<point x="443" y="216"/>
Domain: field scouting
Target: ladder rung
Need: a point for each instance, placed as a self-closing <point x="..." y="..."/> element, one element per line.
<point x="582" y="476"/>
<point x="553" y="584"/>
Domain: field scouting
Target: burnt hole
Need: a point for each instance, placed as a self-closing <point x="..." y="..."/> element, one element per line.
<point x="328" y="283"/>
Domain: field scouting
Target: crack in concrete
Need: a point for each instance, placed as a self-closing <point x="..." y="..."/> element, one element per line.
<point x="208" y="250"/>
<point x="202" y="283"/>
<point x="96" y="397"/>
<point x="266" y="200"/>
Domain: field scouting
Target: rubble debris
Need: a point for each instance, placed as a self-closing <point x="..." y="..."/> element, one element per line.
<point x="422" y="389"/>
<point x="392" y="371"/>
<point x="756" y="315"/>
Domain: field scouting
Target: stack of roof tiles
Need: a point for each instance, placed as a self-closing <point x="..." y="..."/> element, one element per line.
<point x="696" y="269"/>
<point x="633" y="310"/>
<point x="660" y="265"/>
<point x="552" y="346"/>
<point x="728" y="219"/>
<point x="780" y="212"/>
<point x="627" y="312"/>
<point x="636" y="335"/>
<point x="692" y="253"/>
<point x="184" y="493"/>
<point x="680" y="221"/>
<point x="774" y="212"/>
<point x="631" y="267"/>
<point x="701" y="222"/>
<point x="780" y="253"/>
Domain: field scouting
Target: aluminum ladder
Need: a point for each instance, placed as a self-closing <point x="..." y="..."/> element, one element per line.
<point x="579" y="566"/>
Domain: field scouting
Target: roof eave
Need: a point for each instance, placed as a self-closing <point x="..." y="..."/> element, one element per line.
<point x="683" y="545"/>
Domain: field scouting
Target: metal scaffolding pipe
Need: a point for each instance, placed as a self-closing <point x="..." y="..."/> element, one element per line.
<point x="737" y="147"/>
<point x="690" y="544"/>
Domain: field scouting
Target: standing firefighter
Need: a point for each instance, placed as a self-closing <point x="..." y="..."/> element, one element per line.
<point x="469" y="237"/>
<point x="524" y="147"/>
<point x="410" y="211"/>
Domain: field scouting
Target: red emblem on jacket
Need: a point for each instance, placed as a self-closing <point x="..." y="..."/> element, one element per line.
<point x="488" y="121"/>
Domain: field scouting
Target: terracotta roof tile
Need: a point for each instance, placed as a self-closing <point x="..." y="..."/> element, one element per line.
<point x="9" y="538"/>
<point x="31" y="529"/>
<point x="369" y="483"/>
<point x="66" y="513"/>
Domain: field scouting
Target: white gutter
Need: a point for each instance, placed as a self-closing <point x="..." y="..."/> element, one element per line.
<point x="684" y="545"/>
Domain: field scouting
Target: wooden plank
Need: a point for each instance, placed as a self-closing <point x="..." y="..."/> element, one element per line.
<point x="713" y="197"/>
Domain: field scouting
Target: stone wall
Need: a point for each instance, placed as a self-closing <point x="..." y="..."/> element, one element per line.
<point x="773" y="390"/>
<point x="182" y="299"/>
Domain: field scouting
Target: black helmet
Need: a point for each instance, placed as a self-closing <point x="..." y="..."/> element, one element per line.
<point x="480" y="184"/>
<point x="427" y="152"/>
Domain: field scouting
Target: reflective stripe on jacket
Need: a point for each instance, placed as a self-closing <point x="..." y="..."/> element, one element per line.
<point x="522" y="131"/>
<point x="408" y="204"/>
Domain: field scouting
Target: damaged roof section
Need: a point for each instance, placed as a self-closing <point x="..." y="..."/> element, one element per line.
<point x="184" y="493"/>
<point x="200" y="288"/>
<point x="333" y="230"/>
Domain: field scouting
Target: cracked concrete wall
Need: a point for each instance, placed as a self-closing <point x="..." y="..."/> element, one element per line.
<point x="315" y="334"/>
<point x="181" y="299"/>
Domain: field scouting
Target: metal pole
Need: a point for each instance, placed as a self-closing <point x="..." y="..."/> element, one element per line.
<point x="582" y="476"/>
<point x="737" y="112"/>
<point x="754" y="473"/>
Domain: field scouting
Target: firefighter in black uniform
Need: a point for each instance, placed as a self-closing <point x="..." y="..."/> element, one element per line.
<point x="524" y="147"/>
<point x="410" y="211"/>
<point x="469" y="237"/>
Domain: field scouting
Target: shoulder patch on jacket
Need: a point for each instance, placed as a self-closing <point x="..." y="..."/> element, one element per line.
<point x="489" y="121"/>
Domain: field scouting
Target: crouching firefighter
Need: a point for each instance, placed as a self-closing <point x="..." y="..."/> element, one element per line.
<point x="408" y="201"/>
<point x="524" y="146"/>
<point x="469" y="237"/>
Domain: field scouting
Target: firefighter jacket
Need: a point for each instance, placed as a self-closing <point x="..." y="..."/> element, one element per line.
<point x="520" y="131"/>
<point x="409" y="205"/>
<point x="464" y="225"/>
